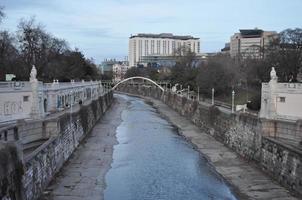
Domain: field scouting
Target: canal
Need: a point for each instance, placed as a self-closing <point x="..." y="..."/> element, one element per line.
<point x="151" y="161"/>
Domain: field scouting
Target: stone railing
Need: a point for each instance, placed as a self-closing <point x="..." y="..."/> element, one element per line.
<point x="9" y="133"/>
<point x="16" y="98"/>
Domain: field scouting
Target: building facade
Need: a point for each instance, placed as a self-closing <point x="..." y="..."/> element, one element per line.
<point x="35" y="99"/>
<point x="250" y="43"/>
<point x="281" y="100"/>
<point x="119" y="71"/>
<point x="106" y="66"/>
<point x="163" y="44"/>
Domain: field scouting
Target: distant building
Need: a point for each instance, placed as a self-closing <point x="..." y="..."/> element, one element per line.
<point x="163" y="44"/>
<point x="250" y="43"/>
<point x="226" y="49"/>
<point x="119" y="70"/>
<point x="106" y="67"/>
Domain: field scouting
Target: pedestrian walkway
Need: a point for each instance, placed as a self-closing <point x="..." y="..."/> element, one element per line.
<point x="83" y="176"/>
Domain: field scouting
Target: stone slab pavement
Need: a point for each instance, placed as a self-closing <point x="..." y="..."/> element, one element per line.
<point x="83" y="176"/>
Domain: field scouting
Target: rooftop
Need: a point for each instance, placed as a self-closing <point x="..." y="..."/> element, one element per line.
<point x="251" y="32"/>
<point x="164" y="35"/>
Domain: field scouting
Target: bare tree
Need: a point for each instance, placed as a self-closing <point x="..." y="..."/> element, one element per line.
<point x="52" y="56"/>
<point x="220" y="72"/>
<point x="286" y="54"/>
<point x="2" y="15"/>
<point x="184" y="72"/>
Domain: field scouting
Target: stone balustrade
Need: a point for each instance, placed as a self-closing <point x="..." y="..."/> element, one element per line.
<point x="16" y="98"/>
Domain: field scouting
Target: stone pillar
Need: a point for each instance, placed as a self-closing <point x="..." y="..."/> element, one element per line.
<point x="35" y="107"/>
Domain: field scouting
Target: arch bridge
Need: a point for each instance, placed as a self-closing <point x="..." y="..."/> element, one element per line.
<point x="138" y="77"/>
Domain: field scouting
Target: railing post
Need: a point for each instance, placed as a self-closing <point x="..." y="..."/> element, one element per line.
<point x="233" y="98"/>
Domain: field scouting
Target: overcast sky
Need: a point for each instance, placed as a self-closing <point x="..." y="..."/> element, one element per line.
<point x="101" y="28"/>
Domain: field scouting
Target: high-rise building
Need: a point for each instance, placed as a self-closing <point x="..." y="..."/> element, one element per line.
<point x="163" y="44"/>
<point x="250" y="43"/>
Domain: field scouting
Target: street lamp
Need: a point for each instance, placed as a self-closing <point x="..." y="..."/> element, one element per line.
<point x="233" y="98"/>
<point x="213" y="95"/>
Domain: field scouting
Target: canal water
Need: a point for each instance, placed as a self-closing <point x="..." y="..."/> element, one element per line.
<point x="152" y="162"/>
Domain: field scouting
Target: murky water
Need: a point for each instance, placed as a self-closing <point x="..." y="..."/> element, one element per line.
<point x="152" y="162"/>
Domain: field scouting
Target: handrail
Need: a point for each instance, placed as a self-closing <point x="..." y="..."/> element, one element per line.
<point x="138" y="77"/>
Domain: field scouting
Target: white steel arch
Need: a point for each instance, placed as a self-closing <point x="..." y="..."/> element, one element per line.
<point x="139" y="77"/>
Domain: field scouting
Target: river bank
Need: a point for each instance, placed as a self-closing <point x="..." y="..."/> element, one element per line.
<point x="246" y="179"/>
<point x="83" y="176"/>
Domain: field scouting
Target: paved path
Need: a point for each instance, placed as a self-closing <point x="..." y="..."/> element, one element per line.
<point x="248" y="181"/>
<point x="82" y="177"/>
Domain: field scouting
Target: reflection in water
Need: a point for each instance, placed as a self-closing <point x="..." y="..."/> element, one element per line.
<point x="152" y="162"/>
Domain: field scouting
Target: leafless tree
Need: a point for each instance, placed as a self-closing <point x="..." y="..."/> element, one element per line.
<point x="286" y="54"/>
<point x="2" y="15"/>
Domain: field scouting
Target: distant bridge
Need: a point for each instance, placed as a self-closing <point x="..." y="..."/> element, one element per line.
<point x="138" y="77"/>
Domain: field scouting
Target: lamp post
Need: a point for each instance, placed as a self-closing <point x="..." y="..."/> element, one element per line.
<point x="198" y="93"/>
<point x="233" y="98"/>
<point x="213" y="96"/>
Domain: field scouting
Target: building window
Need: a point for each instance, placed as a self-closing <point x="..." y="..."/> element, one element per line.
<point x="25" y="98"/>
<point x="152" y="46"/>
<point x="281" y="99"/>
<point x="158" y="46"/>
<point x="140" y="48"/>
<point x="173" y="46"/>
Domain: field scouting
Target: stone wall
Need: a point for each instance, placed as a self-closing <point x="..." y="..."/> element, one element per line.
<point x="41" y="165"/>
<point x="283" y="129"/>
<point x="283" y="163"/>
<point x="11" y="171"/>
<point x="64" y="134"/>
<point x="249" y="136"/>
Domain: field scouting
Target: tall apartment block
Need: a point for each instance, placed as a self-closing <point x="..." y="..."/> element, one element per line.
<point x="250" y="43"/>
<point x="163" y="44"/>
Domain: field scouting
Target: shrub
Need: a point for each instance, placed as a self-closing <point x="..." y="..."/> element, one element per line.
<point x="213" y="113"/>
<point x="255" y="102"/>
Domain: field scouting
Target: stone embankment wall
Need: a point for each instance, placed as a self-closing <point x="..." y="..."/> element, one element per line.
<point x="283" y="163"/>
<point x="64" y="133"/>
<point x="11" y="171"/>
<point x="246" y="134"/>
